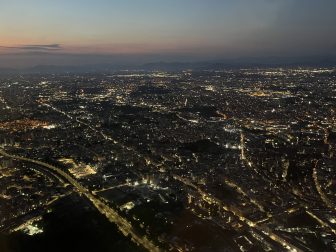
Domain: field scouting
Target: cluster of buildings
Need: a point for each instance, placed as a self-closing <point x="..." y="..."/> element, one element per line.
<point x="248" y="155"/>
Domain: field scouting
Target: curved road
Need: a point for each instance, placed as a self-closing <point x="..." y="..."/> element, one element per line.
<point x="124" y="226"/>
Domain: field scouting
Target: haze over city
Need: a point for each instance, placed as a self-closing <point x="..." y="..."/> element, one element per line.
<point x="45" y="32"/>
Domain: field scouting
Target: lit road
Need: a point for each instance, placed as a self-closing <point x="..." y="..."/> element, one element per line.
<point x="103" y="135"/>
<point x="323" y="196"/>
<point x="206" y="197"/>
<point x="253" y="225"/>
<point x="124" y="226"/>
<point x="238" y="189"/>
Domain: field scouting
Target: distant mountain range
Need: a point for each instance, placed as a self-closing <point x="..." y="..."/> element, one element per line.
<point x="179" y="66"/>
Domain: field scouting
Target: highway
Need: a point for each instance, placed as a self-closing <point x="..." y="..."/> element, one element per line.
<point x="123" y="225"/>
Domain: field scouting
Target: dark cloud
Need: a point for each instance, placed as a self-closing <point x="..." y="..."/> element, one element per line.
<point x="48" y="47"/>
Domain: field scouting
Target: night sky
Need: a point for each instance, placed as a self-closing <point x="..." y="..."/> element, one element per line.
<point x="108" y="31"/>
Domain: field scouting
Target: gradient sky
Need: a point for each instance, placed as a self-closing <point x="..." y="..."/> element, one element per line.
<point x="101" y="31"/>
